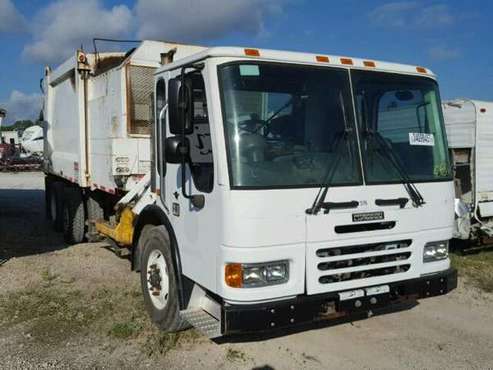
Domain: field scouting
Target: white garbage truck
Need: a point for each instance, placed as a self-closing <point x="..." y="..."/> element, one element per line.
<point x="469" y="126"/>
<point x="255" y="189"/>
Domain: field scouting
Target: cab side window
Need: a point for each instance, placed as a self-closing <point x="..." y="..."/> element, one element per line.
<point x="201" y="160"/>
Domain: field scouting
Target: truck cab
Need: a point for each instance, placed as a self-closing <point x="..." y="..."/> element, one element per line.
<point x="291" y="187"/>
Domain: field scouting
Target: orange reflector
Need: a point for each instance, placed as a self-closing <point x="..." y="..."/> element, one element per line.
<point x="233" y="275"/>
<point x="483" y="110"/>
<point x="322" y="58"/>
<point x="252" y="52"/>
<point x="421" y="70"/>
<point x="369" y="63"/>
<point x="347" y="61"/>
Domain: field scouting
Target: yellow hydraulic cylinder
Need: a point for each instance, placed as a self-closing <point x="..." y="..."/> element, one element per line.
<point x="123" y="232"/>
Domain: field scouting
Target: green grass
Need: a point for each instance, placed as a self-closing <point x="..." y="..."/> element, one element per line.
<point x="54" y="312"/>
<point x="235" y="355"/>
<point x="125" y="330"/>
<point x="476" y="268"/>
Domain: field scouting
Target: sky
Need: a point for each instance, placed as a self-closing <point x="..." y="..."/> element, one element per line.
<point x="453" y="38"/>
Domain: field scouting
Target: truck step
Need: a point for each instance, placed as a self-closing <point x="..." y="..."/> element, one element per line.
<point x="203" y="322"/>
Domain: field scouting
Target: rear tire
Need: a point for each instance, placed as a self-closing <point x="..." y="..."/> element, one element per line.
<point x="74" y="218"/>
<point x="56" y="204"/>
<point x="48" y="196"/>
<point x="158" y="279"/>
<point x="94" y="213"/>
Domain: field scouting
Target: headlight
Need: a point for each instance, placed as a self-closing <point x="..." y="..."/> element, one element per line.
<point x="435" y="251"/>
<point x="256" y="275"/>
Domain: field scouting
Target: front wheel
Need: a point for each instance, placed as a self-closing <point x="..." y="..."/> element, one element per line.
<point x="158" y="279"/>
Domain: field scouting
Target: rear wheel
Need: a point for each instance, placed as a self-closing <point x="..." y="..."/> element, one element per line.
<point x="95" y="212"/>
<point x="74" y="221"/>
<point x="56" y="197"/>
<point x="48" y="197"/>
<point x="158" y="279"/>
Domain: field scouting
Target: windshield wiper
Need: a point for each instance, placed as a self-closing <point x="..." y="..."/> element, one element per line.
<point x="387" y="152"/>
<point x="319" y="203"/>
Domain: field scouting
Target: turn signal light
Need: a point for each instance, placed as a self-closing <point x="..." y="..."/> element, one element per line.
<point x="233" y="275"/>
<point x="252" y="52"/>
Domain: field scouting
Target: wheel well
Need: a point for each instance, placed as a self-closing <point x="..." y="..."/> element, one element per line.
<point x="153" y="215"/>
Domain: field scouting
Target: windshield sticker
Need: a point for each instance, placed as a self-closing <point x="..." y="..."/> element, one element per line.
<point x="419" y="138"/>
<point x="249" y="70"/>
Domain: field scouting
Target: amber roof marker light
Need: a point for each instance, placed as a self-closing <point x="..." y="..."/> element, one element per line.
<point x="252" y="52"/>
<point x="421" y="69"/>
<point x="369" y="63"/>
<point x="347" y="61"/>
<point x="322" y="59"/>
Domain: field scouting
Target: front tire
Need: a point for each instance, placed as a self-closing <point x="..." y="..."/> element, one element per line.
<point x="158" y="279"/>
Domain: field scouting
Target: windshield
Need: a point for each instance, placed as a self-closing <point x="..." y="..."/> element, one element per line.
<point x="402" y="113"/>
<point x="286" y="125"/>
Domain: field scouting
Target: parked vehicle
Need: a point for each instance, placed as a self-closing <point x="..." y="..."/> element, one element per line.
<point x="32" y="141"/>
<point x="469" y="126"/>
<point x="261" y="189"/>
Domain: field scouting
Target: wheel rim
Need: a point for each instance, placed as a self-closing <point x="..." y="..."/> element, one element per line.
<point x="53" y="207"/>
<point x="157" y="279"/>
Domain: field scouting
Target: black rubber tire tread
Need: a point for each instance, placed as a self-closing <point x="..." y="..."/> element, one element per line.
<point x="74" y="218"/>
<point x="48" y="195"/>
<point x="169" y="318"/>
<point x="94" y="212"/>
<point x="57" y="190"/>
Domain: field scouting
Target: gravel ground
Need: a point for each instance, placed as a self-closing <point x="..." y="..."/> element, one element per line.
<point x="80" y="307"/>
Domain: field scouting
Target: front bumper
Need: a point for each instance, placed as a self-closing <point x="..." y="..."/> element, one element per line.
<point x="308" y="309"/>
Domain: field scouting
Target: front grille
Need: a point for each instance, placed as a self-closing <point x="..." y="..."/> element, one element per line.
<point x="337" y="278"/>
<point x="347" y="263"/>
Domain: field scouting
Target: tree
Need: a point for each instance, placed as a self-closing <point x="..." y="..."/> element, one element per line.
<point x="18" y="125"/>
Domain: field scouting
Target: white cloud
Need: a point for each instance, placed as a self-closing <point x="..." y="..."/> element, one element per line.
<point x="10" y="19"/>
<point x="394" y="14"/>
<point x="63" y="26"/>
<point x="199" y="20"/>
<point x="21" y="106"/>
<point x="411" y="14"/>
<point x="435" y="15"/>
<point x="443" y="53"/>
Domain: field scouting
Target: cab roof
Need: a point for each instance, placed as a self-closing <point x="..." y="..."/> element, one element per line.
<point x="282" y="56"/>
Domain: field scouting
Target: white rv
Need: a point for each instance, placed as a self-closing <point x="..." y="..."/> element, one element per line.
<point x="469" y="125"/>
<point x="261" y="189"/>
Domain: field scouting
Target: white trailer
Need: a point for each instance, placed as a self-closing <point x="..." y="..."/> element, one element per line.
<point x="97" y="127"/>
<point x="469" y="126"/>
<point x="283" y="187"/>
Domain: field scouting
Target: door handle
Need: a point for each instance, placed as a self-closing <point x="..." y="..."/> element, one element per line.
<point x="327" y="206"/>
<point x="401" y="202"/>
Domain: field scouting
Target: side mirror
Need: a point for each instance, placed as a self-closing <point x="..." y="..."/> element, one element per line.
<point x="180" y="106"/>
<point x="176" y="149"/>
